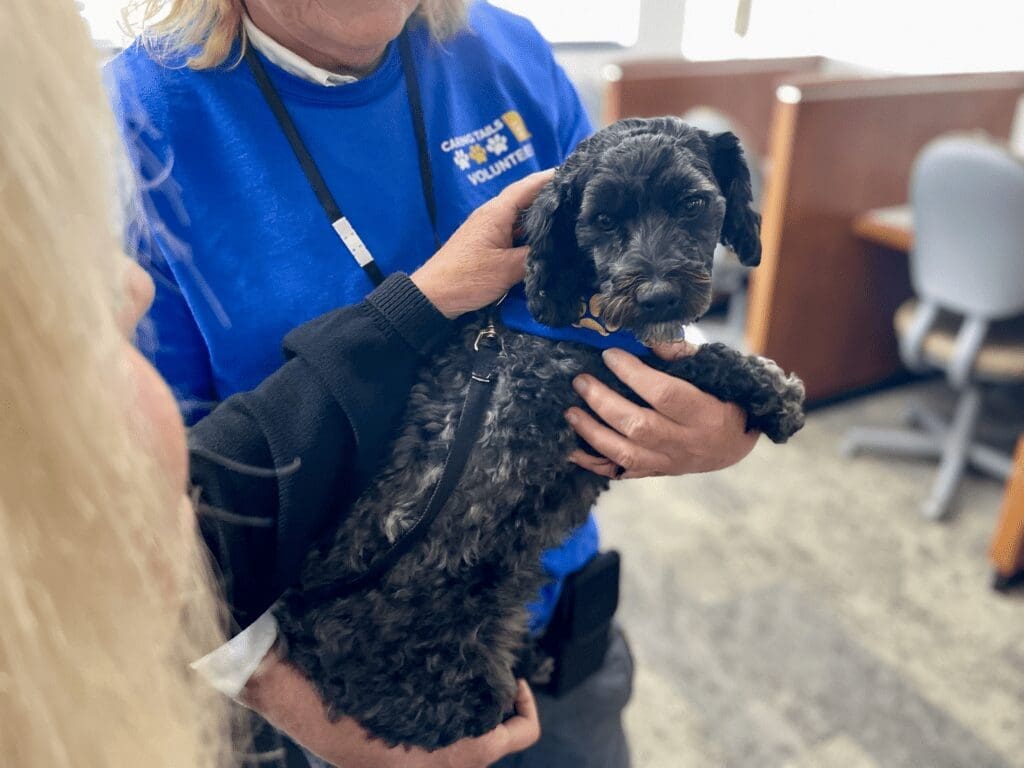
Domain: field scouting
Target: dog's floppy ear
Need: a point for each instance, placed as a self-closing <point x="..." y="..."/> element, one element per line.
<point x="557" y="274"/>
<point x="741" y="229"/>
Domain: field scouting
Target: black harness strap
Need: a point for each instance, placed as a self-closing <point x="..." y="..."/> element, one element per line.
<point x="474" y="407"/>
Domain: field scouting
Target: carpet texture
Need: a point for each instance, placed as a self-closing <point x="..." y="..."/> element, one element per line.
<point x="795" y="611"/>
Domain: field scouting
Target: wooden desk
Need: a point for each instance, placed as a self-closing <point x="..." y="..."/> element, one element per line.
<point x="1007" y="550"/>
<point x="892" y="227"/>
<point x="822" y="302"/>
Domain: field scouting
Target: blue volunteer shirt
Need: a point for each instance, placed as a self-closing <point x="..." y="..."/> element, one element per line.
<point x="240" y="249"/>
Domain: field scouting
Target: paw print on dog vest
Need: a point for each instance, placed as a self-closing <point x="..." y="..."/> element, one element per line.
<point x="590" y="317"/>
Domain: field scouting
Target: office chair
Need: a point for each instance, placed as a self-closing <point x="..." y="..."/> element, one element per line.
<point x="967" y="269"/>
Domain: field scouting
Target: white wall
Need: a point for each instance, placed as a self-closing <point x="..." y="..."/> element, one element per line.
<point x="866" y="35"/>
<point x="904" y="36"/>
<point x="661" y="30"/>
<point x="899" y="36"/>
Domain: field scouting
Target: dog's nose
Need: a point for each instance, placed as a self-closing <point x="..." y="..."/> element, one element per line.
<point x="657" y="297"/>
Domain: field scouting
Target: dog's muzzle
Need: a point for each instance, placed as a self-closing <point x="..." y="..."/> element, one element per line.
<point x="663" y="301"/>
<point x="658" y="299"/>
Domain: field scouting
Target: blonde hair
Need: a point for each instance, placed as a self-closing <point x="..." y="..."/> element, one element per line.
<point x="205" y="30"/>
<point x="103" y="600"/>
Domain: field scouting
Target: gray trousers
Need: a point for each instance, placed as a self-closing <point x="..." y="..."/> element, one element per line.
<point x="582" y="729"/>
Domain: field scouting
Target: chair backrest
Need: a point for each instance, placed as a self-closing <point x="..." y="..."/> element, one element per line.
<point x="967" y="195"/>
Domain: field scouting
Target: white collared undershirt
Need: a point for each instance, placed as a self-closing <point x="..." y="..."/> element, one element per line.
<point x="290" y="61"/>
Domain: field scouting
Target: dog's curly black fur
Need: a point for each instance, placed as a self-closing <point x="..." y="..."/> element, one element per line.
<point x="426" y="656"/>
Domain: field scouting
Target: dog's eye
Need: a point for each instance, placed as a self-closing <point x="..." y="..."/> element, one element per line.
<point x="694" y="205"/>
<point x="605" y="222"/>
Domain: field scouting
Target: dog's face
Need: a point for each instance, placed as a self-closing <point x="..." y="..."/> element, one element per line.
<point x="633" y="217"/>
<point x="649" y="219"/>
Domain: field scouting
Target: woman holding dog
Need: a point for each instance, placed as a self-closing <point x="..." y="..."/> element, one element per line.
<point x="296" y="153"/>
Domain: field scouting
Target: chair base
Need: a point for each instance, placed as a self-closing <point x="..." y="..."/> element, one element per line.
<point x="1004" y="583"/>
<point x="951" y="443"/>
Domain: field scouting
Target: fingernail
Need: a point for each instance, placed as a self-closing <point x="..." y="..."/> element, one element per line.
<point x="571" y="416"/>
<point x="580" y="384"/>
<point x="612" y="355"/>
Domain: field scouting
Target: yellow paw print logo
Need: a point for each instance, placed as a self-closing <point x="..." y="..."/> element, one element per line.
<point x="478" y="153"/>
<point x="590" y="317"/>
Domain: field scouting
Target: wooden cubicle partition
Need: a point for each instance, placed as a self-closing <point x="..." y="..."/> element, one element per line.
<point x="1007" y="550"/>
<point x="822" y="301"/>
<point x="743" y="89"/>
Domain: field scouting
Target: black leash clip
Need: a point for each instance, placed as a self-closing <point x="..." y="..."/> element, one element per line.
<point x="488" y="336"/>
<point x="488" y="346"/>
<point x="488" y="340"/>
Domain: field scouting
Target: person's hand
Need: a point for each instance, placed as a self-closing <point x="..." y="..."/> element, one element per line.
<point x="685" y="431"/>
<point x="288" y="701"/>
<point x="479" y="264"/>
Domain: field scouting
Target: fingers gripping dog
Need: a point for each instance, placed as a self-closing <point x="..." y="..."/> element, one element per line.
<point x="621" y="238"/>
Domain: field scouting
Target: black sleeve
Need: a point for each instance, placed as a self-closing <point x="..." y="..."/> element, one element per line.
<point x="321" y="424"/>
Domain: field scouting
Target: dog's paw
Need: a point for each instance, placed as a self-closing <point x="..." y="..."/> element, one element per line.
<point x="779" y="414"/>
<point x="773" y="401"/>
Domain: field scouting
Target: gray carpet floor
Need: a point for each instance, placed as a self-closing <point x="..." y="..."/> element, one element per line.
<point x="795" y="611"/>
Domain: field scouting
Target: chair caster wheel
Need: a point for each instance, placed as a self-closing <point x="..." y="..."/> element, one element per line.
<point x="848" y="449"/>
<point x="936" y="511"/>
<point x="1003" y="583"/>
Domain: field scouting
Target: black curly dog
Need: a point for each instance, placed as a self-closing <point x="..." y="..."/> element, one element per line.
<point x="426" y="656"/>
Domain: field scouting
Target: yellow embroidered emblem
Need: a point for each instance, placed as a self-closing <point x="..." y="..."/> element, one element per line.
<point x="516" y="124"/>
<point x="590" y="317"/>
<point x="478" y="153"/>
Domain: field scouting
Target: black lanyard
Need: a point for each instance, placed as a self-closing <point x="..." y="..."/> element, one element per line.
<point x="339" y="222"/>
<point x="488" y="344"/>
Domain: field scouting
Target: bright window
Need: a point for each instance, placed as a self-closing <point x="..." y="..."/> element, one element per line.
<point x="907" y="36"/>
<point x="580" y="21"/>
<point x="104" y="19"/>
